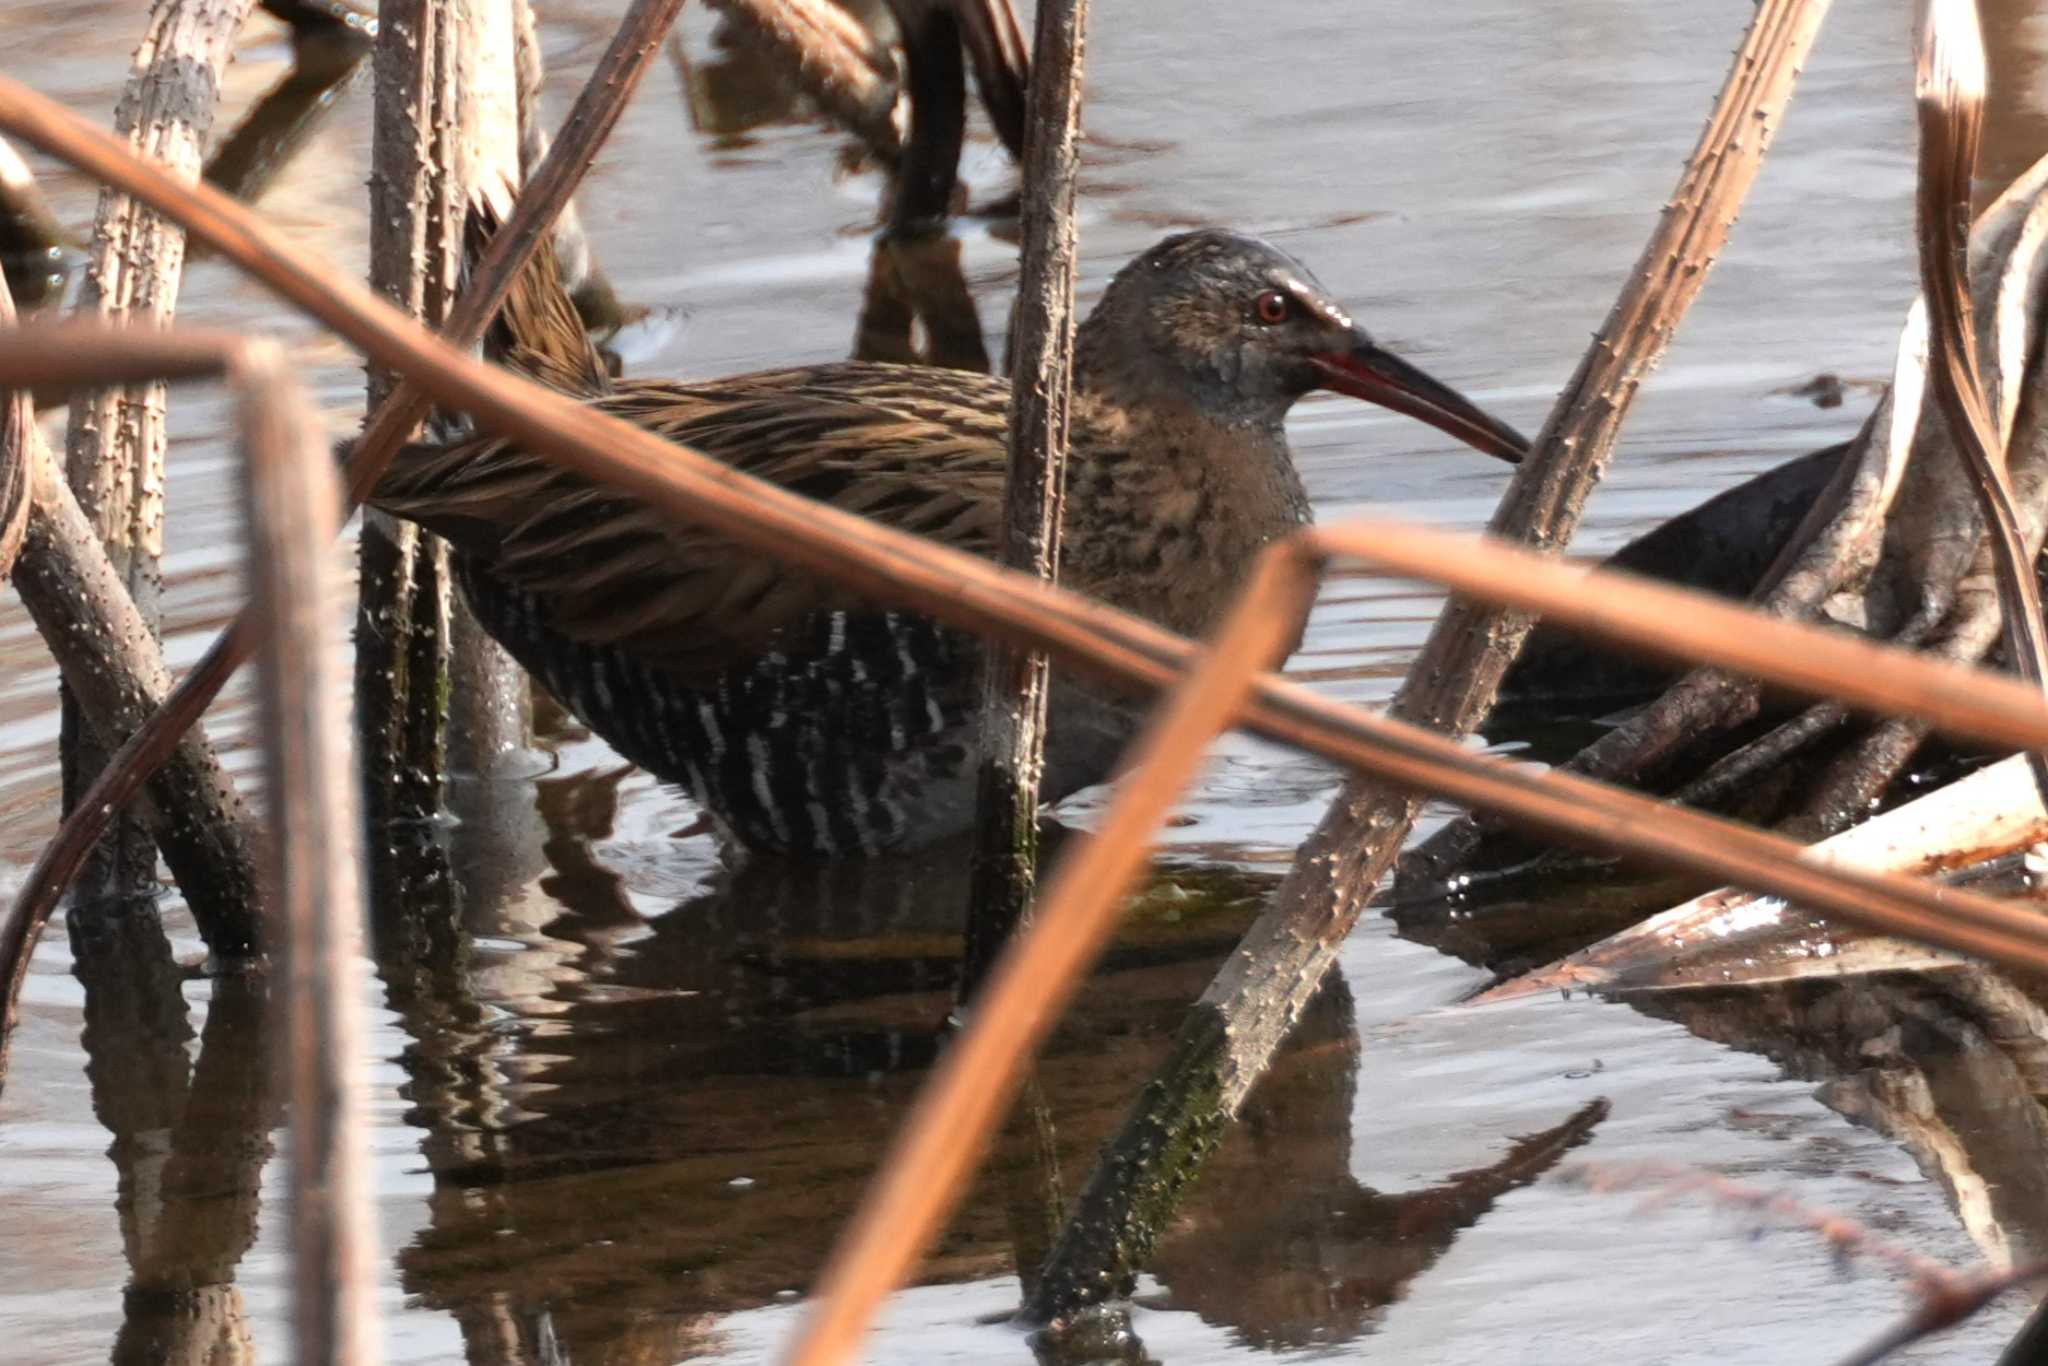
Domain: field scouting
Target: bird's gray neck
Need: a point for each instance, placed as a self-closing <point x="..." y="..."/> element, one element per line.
<point x="1114" y="371"/>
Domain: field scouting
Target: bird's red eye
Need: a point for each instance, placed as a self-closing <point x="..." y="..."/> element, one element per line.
<point x="1270" y="308"/>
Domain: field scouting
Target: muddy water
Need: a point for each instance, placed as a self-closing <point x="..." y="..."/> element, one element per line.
<point x="622" y="1105"/>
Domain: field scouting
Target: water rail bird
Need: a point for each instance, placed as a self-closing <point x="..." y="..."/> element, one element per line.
<point x="811" y="723"/>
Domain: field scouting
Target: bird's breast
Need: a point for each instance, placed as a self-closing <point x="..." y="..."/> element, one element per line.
<point x="1171" y="534"/>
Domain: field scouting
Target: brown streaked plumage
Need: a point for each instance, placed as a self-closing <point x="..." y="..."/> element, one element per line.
<point x="813" y="723"/>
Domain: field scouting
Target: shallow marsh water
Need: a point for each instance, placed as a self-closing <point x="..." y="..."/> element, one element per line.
<point x="621" y="1113"/>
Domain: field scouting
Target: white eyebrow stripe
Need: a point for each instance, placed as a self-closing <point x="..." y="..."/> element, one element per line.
<point x="1312" y="299"/>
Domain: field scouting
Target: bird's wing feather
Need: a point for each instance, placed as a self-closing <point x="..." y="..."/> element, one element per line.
<point x="918" y="450"/>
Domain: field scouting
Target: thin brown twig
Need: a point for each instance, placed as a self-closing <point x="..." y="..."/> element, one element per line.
<point x="1944" y="1296"/>
<point x="270" y="257"/>
<point x="292" y="504"/>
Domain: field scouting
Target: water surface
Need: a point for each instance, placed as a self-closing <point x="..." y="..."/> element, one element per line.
<point x="624" y="1102"/>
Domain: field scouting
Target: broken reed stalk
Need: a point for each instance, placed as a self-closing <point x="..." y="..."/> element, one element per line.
<point x="292" y="503"/>
<point x="834" y="60"/>
<point x="942" y="1137"/>
<point x="114" y="450"/>
<point x="1994" y="811"/>
<point x="1232" y="1033"/>
<point x="269" y="258"/>
<point x="1949" y="94"/>
<point x="1034" y="491"/>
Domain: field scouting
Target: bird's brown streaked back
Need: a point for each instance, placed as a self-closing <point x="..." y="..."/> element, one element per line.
<point x="812" y="722"/>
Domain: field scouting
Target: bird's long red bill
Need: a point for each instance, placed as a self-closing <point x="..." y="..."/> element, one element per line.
<point x="1384" y="378"/>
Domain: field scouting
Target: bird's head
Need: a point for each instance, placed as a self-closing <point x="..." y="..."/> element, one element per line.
<point x="1239" y="330"/>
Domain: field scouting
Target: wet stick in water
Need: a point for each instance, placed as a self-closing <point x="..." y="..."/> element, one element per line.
<point x="1234" y="1030"/>
<point x="1041" y="394"/>
<point x="1015" y="682"/>
<point x="114" y="450"/>
<point x="446" y="127"/>
<point x="597" y="110"/>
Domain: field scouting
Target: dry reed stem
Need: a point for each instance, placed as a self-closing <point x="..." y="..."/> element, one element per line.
<point x="292" y="503"/>
<point x="114" y="669"/>
<point x="242" y="237"/>
<point x="1230" y="1036"/>
<point x="1036" y="976"/>
<point x="432" y="689"/>
<point x="1945" y="1296"/>
<point x="116" y="442"/>
<point x="1015" y="682"/>
<point x="1949" y="93"/>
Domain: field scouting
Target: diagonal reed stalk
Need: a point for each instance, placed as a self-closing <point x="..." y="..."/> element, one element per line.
<point x="1948" y="90"/>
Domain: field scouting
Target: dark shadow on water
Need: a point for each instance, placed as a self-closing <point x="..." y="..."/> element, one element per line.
<point x="190" y="1135"/>
<point x="639" y="1124"/>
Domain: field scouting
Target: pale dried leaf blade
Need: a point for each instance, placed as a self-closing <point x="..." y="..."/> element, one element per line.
<point x="1950" y="53"/>
<point x="1727" y="936"/>
<point x="17" y="433"/>
<point x="1949" y="86"/>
